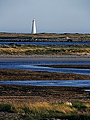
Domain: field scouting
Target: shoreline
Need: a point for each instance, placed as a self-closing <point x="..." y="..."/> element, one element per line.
<point x="25" y="75"/>
<point x="44" y="57"/>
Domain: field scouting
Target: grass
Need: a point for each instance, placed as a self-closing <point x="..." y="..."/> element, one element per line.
<point x="46" y="110"/>
<point x="49" y="111"/>
<point x="80" y="105"/>
<point x="5" y="108"/>
<point x="44" y="103"/>
<point x="14" y="49"/>
<point x="45" y="35"/>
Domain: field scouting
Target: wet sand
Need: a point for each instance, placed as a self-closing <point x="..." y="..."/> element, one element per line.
<point x="44" y="57"/>
<point x="32" y="94"/>
<point x="68" y="66"/>
<point x="13" y="93"/>
<point x="24" y="75"/>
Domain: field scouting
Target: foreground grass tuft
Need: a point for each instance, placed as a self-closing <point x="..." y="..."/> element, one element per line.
<point x="49" y="111"/>
<point x="6" y="108"/>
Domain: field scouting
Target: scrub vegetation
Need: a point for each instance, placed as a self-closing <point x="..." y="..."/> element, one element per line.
<point x="46" y="35"/>
<point x="14" y="49"/>
<point x="46" y="111"/>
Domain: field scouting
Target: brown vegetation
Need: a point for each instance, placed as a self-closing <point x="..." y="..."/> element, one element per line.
<point x="14" y="49"/>
<point x="46" y="111"/>
<point x="15" y="75"/>
<point x="45" y="35"/>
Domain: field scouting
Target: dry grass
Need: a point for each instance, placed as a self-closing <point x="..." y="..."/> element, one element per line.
<point x="44" y="107"/>
<point x="45" y="35"/>
<point x="41" y="49"/>
<point x="45" y="111"/>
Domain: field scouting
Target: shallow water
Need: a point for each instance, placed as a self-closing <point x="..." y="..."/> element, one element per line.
<point x="47" y="43"/>
<point x="72" y="83"/>
<point x="33" y="65"/>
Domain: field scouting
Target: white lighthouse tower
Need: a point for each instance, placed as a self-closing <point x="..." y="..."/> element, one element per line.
<point x="33" y="27"/>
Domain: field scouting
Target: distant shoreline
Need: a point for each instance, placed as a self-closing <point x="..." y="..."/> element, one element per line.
<point x="44" y="57"/>
<point x="44" y="37"/>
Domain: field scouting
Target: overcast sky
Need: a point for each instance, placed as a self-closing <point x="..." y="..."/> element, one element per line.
<point x="58" y="16"/>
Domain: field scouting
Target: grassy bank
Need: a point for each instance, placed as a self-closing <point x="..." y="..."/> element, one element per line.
<point x="46" y="111"/>
<point x="14" y="49"/>
<point x="16" y="75"/>
<point x="46" y="35"/>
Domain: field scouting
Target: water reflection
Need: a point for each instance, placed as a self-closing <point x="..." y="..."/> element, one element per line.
<point x="72" y="83"/>
<point x="33" y="65"/>
<point x="47" y="43"/>
<point x="61" y="70"/>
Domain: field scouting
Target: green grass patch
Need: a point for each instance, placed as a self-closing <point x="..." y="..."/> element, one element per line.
<point x="79" y="105"/>
<point x="6" y="108"/>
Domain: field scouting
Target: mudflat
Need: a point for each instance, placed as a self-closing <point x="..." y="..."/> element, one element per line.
<point x="32" y="94"/>
<point x="22" y="75"/>
<point x="44" y="57"/>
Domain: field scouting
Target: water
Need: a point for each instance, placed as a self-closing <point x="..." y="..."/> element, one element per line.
<point x="47" y="43"/>
<point x="33" y="65"/>
<point x="72" y="83"/>
<point x="87" y="90"/>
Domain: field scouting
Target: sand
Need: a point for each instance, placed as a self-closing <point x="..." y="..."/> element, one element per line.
<point x="44" y="57"/>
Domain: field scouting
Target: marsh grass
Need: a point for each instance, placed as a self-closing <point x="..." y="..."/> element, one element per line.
<point x="43" y="110"/>
<point x="80" y="105"/>
<point x="6" y="108"/>
<point x="15" y="49"/>
<point x="45" y="35"/>
<point x="49" y="111"/>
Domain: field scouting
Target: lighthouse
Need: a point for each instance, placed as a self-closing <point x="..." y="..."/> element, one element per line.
<point x="33" y="27"/>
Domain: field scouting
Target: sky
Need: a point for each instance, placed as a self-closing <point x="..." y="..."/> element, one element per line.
<point x="52" y="16"/>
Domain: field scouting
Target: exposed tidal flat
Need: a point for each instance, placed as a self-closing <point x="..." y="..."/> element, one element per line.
<point x="29" y="75"/>
<point x="77" y="58"/>
<point x="43" y="102"/>
<point x="22" y="75"/>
